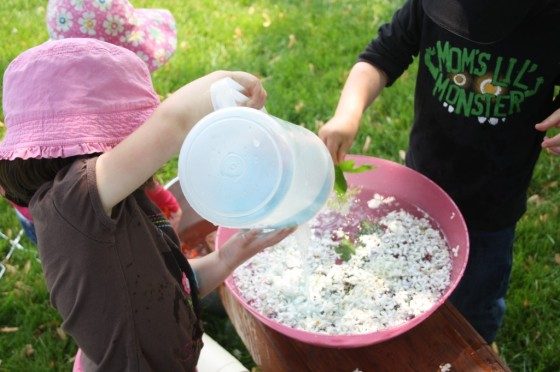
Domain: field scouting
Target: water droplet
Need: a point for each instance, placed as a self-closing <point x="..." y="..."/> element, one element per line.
<point x="256" y="143"/>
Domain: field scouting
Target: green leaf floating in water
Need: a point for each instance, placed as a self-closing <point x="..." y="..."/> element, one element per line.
<point x="346" y="166"/>
<point x="345" y="249"/>
<point x="340" y="185"/>
<point x="369" y="227"/>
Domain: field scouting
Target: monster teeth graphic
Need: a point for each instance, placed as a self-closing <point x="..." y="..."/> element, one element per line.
<point x="481" y="119"/>
<point x="492" y="121"/>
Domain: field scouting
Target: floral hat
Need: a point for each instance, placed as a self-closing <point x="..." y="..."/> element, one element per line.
<point x="150" y="33"/>
<point x="73" y="97"/>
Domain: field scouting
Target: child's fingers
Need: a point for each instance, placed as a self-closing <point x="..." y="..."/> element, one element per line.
<point x="247" y="80"/>
<point x="552" y="121"/>
<point x="260" y="96"/>
<point x="332" y="146"/>
<point x="250" y="86"/>
<point x="342" y="151"/>
<point x="257" y="99"/>
<point x="256" y="240"/>
<point x="274" y="237"/>
<point x="551" y="141"/>
<point x="263" y="96"/>
<point x="552" y="144"/>
<point x="248" y="236"/>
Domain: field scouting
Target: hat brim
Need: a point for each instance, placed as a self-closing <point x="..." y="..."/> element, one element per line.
<point x="70" y="135"/>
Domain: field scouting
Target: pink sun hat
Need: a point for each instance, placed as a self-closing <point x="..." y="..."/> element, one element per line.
<point x="150" y="33"/>
<point x="73" y="97"/>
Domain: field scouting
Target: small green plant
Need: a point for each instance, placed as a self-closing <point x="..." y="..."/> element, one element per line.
<point x="345" y="249"/>
<point x="369" y="227"/>
<point x="347" y="166"/>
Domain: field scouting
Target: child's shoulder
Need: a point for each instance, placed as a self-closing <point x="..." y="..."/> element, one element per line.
<point x="80" y="171"/>
<point x="71" y="202"/>
<point x="68" y="181"/>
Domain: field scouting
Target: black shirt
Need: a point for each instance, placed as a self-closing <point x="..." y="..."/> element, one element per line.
<point x="475" y="107"/>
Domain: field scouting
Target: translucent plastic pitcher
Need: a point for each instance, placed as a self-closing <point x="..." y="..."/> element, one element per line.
<point x="242" y="168"/>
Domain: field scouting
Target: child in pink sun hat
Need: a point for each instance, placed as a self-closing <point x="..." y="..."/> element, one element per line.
<point x="81" y="115"/>
<point x="150" y="33"/>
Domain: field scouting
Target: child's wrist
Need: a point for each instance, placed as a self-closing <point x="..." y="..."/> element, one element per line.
<point x="351" y="120"/>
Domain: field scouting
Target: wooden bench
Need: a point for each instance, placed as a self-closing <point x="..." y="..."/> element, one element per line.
<point x="445" y="337"/>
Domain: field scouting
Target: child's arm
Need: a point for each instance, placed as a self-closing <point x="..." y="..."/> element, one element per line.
<point x="381" y="63"/>
<point x="126" y="167"/>
<point x="214" y="268"/>
<point x="362" y="87"/>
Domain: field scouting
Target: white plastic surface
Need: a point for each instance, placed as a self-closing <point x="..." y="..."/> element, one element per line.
<point x="226" y="92"/>
<point x="242" y="168"/>
<point x="214" y="358"/>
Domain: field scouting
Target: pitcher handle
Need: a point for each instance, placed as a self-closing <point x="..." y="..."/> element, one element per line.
<point x="226" y="92"/>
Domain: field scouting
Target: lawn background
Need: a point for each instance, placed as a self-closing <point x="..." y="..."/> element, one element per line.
<point x="303" y="50"/>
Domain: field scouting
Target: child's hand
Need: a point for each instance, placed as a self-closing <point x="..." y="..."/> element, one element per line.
<point x="245" y="244"/>
<point x="215" y="267"/>
<point x="338" y="135"/>
<point x="192" y="102"/>
<point x="551" y="144"/>
<point x="253" y="89"/>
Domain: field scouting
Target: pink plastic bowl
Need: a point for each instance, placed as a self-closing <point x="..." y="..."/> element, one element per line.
<point x="389" y="179"/>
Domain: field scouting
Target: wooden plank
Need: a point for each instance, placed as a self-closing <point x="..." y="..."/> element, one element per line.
<point x="445" y="337"/>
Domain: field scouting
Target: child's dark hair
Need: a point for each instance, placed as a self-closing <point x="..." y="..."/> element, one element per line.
<point x="21" y="178"/>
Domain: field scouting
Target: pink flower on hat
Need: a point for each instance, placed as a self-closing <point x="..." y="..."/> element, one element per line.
<point x="63" y="20"/>
<point x="143" y="56"/>
<point x="77" y="4"/>
<point x="103" y="5"/>
<point x="156" y="35"/>
<point x="87" y="23"/>
<point x="146" y="32"/>
<point x="134" y="38"/>
<point x="113" y="25"/>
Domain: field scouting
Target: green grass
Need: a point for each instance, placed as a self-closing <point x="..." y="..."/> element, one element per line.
<point x="303" y="50"/>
